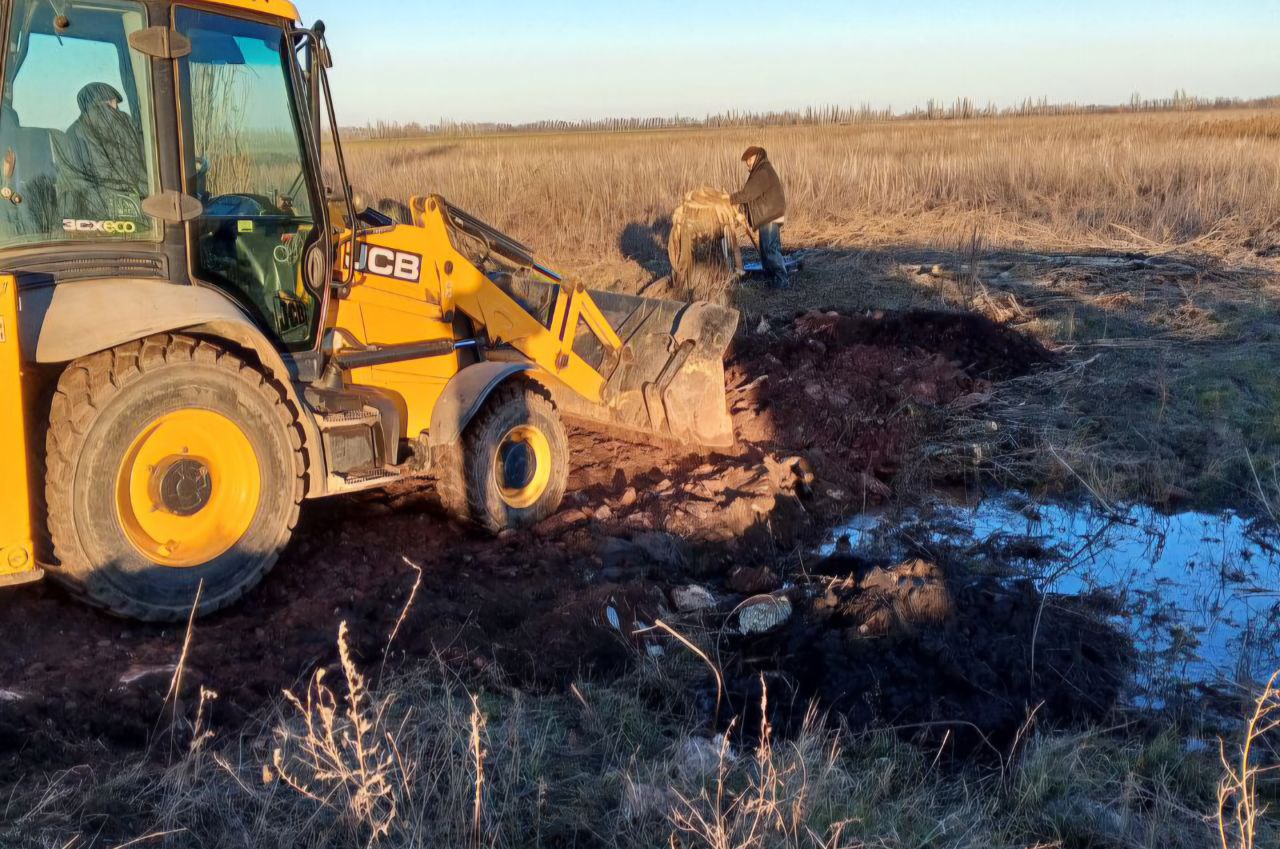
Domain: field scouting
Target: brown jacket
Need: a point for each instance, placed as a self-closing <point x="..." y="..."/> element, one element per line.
<point x="762" y="195"/>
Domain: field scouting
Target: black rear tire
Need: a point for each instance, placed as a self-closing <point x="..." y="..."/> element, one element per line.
<point x="511" y="466"/>
<point x="104" y="404"/>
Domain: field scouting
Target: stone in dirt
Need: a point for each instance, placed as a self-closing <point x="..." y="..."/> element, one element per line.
<point x="617" y="553"/>
<point x="663" y="548"/>
<point x="558" y="522"/>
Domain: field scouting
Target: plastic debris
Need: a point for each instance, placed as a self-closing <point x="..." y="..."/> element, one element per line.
<point x="691" y="598"/>
<point x="763" y="613"/>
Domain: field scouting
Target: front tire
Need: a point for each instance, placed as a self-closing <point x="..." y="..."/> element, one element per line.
<point x="511" y="466"/>
<point x="172" y="466"/>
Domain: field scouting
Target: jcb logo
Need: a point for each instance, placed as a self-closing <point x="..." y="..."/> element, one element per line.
<point x="115" y="228"/>
<point x="386" y="262"/>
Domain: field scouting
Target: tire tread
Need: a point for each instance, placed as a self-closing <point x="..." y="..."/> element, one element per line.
<point x="84" y="390"/>
<point x="462" y="493"/>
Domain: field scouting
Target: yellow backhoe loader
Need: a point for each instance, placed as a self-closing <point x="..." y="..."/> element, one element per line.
<point x="197" y="334"/>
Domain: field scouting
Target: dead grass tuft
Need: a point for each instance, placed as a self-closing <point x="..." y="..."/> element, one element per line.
<point x="1242" y="809"/>
<point x="424" y="761"/>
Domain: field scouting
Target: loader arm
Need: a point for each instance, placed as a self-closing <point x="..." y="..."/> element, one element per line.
<point x="505" y="321"/>
<point x="637" y="364"/>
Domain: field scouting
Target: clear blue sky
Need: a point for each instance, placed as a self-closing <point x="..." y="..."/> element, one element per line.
<point x="503" y="60"/>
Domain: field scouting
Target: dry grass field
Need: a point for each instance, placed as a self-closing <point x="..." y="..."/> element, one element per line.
<point x="1163" y="181"/>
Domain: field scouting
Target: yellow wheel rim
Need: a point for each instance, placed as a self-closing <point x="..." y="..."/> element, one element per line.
<point x="188" y="488"/>
<point x="522" y="466"/>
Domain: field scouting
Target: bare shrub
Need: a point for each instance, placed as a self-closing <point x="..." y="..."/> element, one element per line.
<point x="1241" y="811"/>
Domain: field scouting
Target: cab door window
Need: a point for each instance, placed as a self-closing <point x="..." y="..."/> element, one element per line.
<point x="77" y="145"/>
<point x="245" y="163"/>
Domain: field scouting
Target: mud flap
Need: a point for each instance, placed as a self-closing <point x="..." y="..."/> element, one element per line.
<point x="668" y="380"/>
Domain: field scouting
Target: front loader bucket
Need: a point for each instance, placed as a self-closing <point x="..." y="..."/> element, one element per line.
<point x="669" y="378"/>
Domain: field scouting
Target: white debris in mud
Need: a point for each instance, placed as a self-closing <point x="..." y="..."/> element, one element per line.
<point x="692" y="598"/>
<point x="137" y="673"/>
<point x="762" y="613"/>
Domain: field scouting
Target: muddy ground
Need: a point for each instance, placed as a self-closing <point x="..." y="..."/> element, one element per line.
<point x="1170" y="392"/>
<point x="832" y="412"/>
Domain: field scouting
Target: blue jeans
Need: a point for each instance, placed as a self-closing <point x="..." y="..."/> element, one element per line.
<point x="771" y="255"/>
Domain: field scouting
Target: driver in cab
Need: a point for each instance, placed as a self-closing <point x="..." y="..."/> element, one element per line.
<point x="102" y="173"/>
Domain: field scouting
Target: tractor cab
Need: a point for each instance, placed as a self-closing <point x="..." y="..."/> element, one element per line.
<point x="219" y="188"/>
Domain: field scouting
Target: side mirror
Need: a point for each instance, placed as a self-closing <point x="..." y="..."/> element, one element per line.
<point x="311" y="76"/>
<point x="322" y="46"/>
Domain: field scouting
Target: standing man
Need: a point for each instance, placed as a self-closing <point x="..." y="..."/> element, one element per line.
<point x="766" y="212"/>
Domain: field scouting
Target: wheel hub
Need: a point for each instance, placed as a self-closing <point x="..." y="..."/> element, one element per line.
<point x="517" y="465"/>
<point x="183" y="486"/>
<point x="188" y="487"/>
<point x="523" y="466"/>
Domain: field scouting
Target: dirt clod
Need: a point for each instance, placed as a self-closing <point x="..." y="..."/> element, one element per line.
<point x="749" y="579"/>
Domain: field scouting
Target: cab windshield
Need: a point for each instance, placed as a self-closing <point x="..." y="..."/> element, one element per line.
<point x="77" y="147"/>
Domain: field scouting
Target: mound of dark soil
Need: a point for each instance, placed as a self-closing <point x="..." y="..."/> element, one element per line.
<point x="975" y="343"/>
<point x="934" y="650"/>
<point x="855" y="410"/>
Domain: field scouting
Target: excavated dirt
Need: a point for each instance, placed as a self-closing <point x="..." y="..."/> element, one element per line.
<point x="935" y="650"/>
<point x="827" y="409"/>
<point x="977" y="344"/>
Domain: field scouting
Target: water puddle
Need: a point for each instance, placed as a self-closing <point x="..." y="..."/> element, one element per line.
<point x="1199" y="593"/>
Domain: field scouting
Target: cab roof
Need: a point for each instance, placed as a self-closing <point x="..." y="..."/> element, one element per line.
<point x="276" y="8"/>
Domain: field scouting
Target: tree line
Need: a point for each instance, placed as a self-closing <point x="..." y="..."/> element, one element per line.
<point x="963" y="108"/>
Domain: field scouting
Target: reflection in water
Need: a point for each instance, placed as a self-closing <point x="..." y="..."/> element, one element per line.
<point x="1199" y="593"/>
